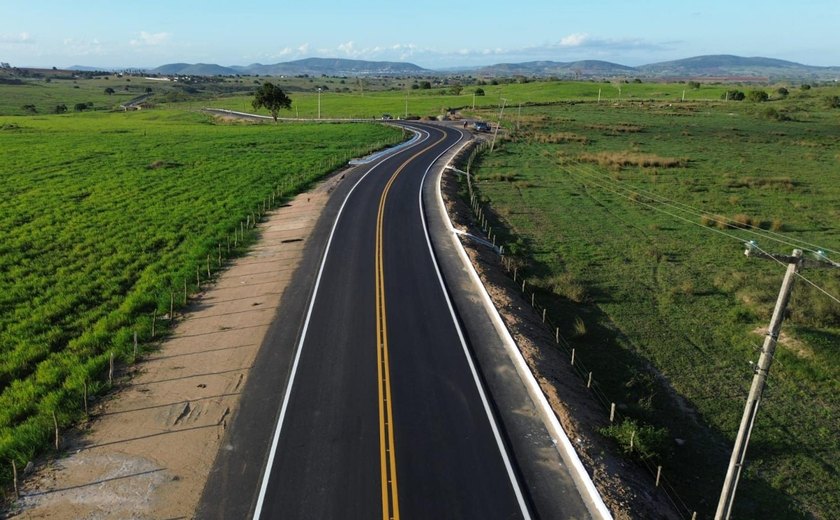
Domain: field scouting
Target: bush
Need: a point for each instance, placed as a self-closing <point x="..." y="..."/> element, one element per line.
<point x="832" y="101"/>
<point x="782" y="92"/>
<point x="733" y="95"/>
<point x="648" y="442"/>
<point x="757" y="96"/>
<point x="694" y="85"/>
<point x="479" y="92"/>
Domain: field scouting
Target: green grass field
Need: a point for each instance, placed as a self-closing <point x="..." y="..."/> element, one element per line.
<point x="435" y="101"/>
<point x="612" y="209"/>
<point x="105" y="216"/>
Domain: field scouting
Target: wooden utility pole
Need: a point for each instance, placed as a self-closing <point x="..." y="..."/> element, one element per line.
<point x="794" y="263"/>
<point x="501" y="112"/>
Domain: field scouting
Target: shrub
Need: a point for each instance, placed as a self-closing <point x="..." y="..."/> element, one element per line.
<point x="648" y="442"/>
<point x="733" y="95"/>
<point x="832" y="101"/>
<point x="782" y="92"/>
<point x="757" y="96"/>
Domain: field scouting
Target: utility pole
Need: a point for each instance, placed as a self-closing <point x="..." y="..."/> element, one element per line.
<point x="319" y="102"/>
<point x="502" y="111"/>
<point x="794" y="263"/>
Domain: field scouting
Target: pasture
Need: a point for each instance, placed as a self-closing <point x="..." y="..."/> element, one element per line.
<point x="108" y="221"/>
<point x="630" y="220"/>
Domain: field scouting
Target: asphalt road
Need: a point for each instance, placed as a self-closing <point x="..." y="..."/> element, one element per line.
<point x="366" y="400"/>
<point x="384" y="417"/>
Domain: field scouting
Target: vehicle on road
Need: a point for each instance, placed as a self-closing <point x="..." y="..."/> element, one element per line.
<point x="481" y="126"/>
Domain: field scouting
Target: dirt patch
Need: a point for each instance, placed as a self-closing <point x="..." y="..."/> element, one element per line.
<point x="787" y="341"/>
<point x="627" y="489"/>
<point x="148" y="448"/>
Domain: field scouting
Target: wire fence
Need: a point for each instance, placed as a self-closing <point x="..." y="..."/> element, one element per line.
<point x="518" y="275"/>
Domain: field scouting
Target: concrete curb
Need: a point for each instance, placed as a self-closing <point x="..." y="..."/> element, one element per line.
<point x="584" y="483"/>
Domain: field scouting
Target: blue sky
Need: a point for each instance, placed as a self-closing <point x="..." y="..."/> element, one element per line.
<point x="432" y="33"/>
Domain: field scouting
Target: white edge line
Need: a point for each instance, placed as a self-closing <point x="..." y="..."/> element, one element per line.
<point x="277" y="429"/>
<point x="584" y="483"/>
<point x="502" y="450"/>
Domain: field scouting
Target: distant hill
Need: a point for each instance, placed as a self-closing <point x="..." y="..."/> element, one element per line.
<point x="721" y="67"/>
<point x="336" y="67"/>
<point x="725" y="65"/>
<point x="196" y="69"/>
<point x="311" y="66"/>
<point x="585" y="68"/>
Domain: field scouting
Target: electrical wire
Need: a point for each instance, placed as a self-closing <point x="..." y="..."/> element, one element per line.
<point x="615" y="191"/>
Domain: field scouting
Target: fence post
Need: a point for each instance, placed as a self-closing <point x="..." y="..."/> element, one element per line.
<point x="658" y="474"/>
<point x="171" y="305"/>
<point x="589" y="381"/>
<point x="632" y="438"/>
<point x="154" y="321"/>
<point x="557" y="335"/>
<point x="543" y="314"/>
<point x="135" y="345"/>
<point x="612" y="412"/>
<point x="55" y="423"/>
<point x="111" y="369"/>
<point x="84" y="390"/>
<point x="573" y="357"/>
<point x="14" y="477"/>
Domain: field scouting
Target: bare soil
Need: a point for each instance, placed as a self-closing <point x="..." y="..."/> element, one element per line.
<point x="148" y="447"/>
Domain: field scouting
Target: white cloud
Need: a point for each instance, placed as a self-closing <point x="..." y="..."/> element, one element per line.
<point x="147" y="39"/>
<point x="22" y="38"/>
<point x="574" y="40"/>
<point x="76" y="47"/>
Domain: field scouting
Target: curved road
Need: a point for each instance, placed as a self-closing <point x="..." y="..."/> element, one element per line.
<point x="383" y="412"/>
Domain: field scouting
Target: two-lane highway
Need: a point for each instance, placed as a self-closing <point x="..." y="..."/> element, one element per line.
<point x="383" y="415"/>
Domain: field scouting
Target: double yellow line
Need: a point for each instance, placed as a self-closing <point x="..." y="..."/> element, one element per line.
<point x="387" y="456"/>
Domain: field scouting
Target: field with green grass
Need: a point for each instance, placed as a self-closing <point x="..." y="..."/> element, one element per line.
<point x="435" y="101"/>
<point x="107" y="219"/>
<point x="629" y="220"/>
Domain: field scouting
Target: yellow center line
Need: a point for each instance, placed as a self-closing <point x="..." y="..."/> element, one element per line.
<point x="387" y="456"/>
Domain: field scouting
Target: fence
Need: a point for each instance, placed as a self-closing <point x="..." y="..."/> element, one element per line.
<point x="518" y="276"/>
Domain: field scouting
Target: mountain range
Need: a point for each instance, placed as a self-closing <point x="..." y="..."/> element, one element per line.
<point x="715" y="66"/>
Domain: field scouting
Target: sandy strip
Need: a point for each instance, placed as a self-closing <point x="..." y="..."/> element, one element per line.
<point x="149" y="447"/>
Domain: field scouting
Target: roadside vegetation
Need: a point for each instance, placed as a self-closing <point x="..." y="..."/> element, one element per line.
<point x="108" y="221"/>
<point x="630" y="220"/>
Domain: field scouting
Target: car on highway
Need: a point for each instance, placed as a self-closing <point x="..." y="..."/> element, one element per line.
<point x="481" y="126"/>
<point x="386" y="117"/>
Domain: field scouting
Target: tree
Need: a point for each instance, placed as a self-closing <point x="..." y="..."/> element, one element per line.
<point x="425" y="85"/>
<point x="782" y="92"/>
<point x="109" y="91"/>
<point x="272" y="98"/>
<point x="148" y="90"/>
<point x="60" y="109"/>
<point x="30" y="108"/>
<point x="694" y="85"/>
<point x="80" y="107"/>
<point x="479" y="92"/>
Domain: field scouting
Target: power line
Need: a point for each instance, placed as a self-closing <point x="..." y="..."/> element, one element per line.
<point x="750" y="228"/>
<point x="702" y="226"/>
